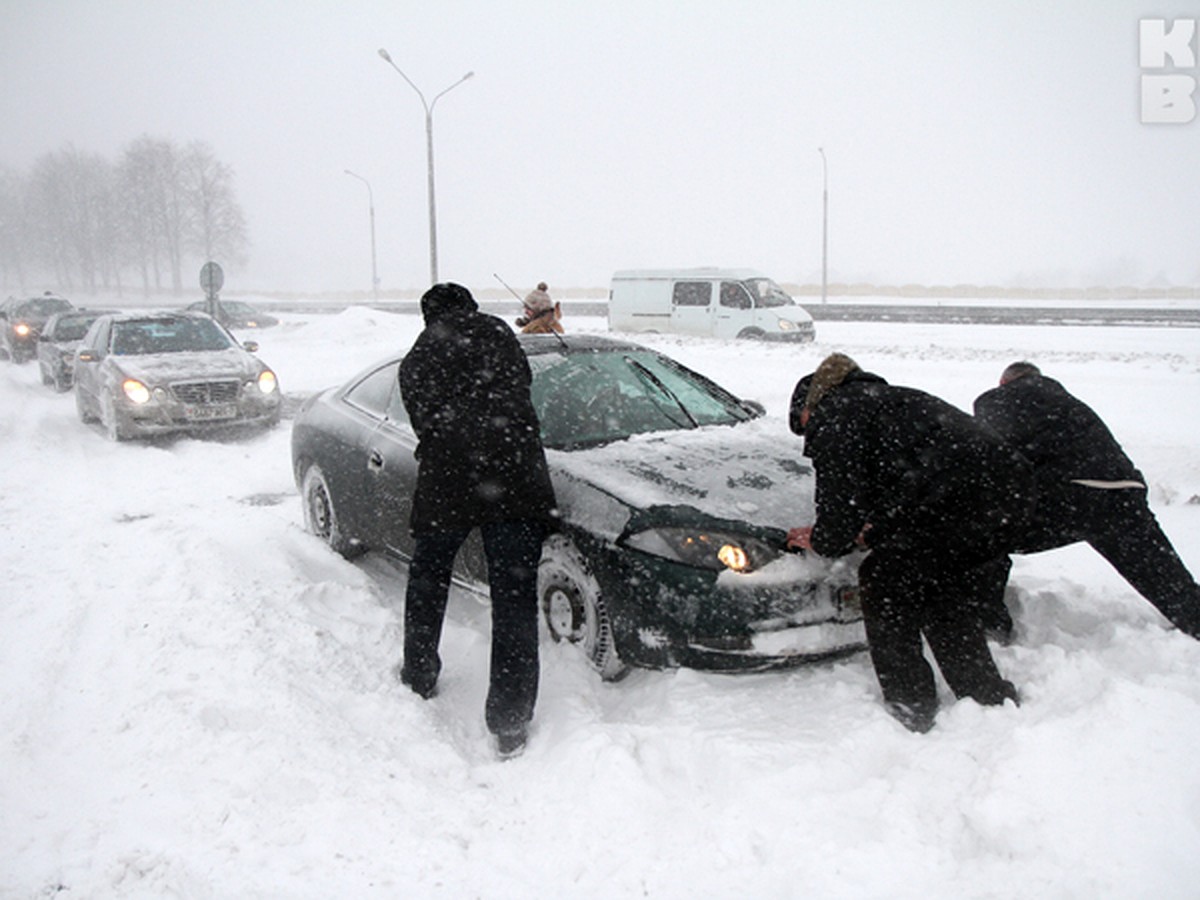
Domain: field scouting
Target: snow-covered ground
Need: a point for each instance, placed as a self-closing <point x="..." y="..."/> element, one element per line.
<point x="196" y="698"/>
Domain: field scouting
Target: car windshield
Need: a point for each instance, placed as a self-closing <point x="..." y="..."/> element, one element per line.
<point x="43" y="307"/>
<point x="72" y="328"/>
<point x="168" y="336"/>
<point x="591" y="398"/>
<point x="767" y="293"/>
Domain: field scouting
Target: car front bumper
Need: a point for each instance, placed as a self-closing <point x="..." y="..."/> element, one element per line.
<point x="165" y="414"/>
<point x="666" y="614"/>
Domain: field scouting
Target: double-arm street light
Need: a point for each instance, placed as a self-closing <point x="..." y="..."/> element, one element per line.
<point x="371" y="203"/>
<point x="433" y="267"/>
<point x="824" y="225"/>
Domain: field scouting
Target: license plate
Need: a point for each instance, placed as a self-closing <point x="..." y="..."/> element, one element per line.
<point x="206" y="413"/>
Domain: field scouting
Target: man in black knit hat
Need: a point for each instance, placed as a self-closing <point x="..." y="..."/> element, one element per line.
<point x="1088" y="489"/>
<point x="465" y="384"/>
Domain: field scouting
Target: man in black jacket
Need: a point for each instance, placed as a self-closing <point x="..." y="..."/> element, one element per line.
<point x="465" y="384"/>
<point x="934" y="498"/>
<point x="1088" y="489"/>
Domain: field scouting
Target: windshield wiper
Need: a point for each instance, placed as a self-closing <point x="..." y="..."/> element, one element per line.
<point x="657" y="382"/>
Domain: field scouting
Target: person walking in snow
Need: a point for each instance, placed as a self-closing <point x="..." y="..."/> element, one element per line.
<point x="933" y="497"/>
<point x="480" y="464"/>
<point x="542" y="315"/>
<point x="1088" y="489"/>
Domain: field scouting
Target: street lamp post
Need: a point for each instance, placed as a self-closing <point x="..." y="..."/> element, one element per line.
<point x="824" y="226"/>
<point x="433" y="266"/>
<point x="371" y="203"/>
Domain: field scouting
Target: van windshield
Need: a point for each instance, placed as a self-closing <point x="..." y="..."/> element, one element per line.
<point x="767" y="293"/>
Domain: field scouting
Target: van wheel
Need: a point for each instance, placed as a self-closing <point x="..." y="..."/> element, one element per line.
<point x="755" y="334"/>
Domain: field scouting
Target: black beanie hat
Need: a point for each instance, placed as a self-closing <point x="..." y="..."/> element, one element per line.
<point x="445" y="299"/>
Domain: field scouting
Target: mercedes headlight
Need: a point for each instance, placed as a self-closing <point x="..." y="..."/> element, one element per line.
<point x="136" y="391"/>
<point x="266" y="381"/>
<point x="714" y="550"/>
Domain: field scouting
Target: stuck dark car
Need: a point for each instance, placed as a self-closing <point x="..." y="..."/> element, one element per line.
<point x="155" y="373"/>
<point x="236" y="314"/>
<point x="22" y="321"/>
<point x="58" y="342"/>
<point x="674" y="496"/>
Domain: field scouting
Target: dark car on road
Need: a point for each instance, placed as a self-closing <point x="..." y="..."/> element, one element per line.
<point x="235" y="314"/>
<point x="142" y="374"/>
<point x="58" y="342"/>
<point x="674" y="495"/>
<point x="21" y="321"/>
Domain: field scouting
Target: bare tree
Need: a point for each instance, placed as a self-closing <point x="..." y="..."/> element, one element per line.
<point x="84" y="221"/>
<point x="217" y="225"/>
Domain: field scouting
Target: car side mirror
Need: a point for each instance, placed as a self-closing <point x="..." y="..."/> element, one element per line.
<point x="87" y="356"/>
<point x="754" y="407"/>
<point x="252" y="346"/>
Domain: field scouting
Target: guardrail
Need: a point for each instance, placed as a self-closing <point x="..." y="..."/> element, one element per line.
<point x="851" y="312"/>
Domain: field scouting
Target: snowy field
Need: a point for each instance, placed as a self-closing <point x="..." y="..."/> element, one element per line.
<point x="196" y="699"/>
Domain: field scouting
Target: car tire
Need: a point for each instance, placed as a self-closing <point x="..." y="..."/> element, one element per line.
<point x="60" y="382"/>
<point x="86" y="416"/>
<point x="320" y="516"/>
<point x="573" y="606"/>
<point x="111" y="421"/>
<point x="756" y="334"/>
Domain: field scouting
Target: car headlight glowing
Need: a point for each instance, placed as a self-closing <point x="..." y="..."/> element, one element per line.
<point x="787" y="325"/>
<point x="715" y="550"/>
<point x="136" y="391"/>
<point x="266" y="381"/>
<point x="21" y="329"/>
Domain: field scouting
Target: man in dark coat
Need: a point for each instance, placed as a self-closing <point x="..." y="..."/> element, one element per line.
<point x="465" y="384"/>
<point x="1088" y="489"/>
<point x="934" y="498"/>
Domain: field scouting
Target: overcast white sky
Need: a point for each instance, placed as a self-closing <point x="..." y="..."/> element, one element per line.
<point x="983" y="142"/>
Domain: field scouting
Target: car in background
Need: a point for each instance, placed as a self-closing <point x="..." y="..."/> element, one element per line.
<point x="21" y="322"/>
<point x="58" y="342"/>
<point x="236" y="314"/>
<point x="143" y="374"/>
<point x="675" y="497"/>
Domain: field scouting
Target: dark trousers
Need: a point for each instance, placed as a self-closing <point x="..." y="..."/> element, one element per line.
<point x="1119" y="524"/>
<point x="912" y="594"/>
<point x="513" y="550"/>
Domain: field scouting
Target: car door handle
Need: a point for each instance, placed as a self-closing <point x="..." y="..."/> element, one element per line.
<point x="375" y="461"/>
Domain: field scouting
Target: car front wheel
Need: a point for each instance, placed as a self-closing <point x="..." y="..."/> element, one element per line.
<point x="574" y="608"/>
<point x="321" y="518"/>
<point x="111" y="420"/>
<point x="86" y="416"/>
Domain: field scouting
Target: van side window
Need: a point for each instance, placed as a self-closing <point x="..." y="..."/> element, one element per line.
<point x="692" y="293"/>
<point x="734" y="296"/>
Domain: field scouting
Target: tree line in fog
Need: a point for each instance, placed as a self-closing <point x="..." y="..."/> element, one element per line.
<point x="82" y="222"/>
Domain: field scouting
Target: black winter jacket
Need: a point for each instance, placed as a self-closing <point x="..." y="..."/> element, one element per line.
<point x="923" y="474"/>
<point x="465" y="384"/>
<point x="1060" y="434"/>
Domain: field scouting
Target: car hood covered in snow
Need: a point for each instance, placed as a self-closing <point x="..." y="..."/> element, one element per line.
<point x="167" y="367"/>
<point x="753" y="472"/>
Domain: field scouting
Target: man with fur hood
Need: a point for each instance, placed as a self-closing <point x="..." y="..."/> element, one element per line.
<point x="935" y="499"/>
<point x="480" y="463"/>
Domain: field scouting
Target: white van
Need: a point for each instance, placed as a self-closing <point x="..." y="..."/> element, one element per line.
<point x="724" y="303"/>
